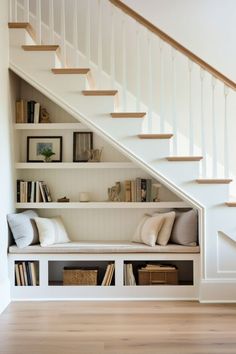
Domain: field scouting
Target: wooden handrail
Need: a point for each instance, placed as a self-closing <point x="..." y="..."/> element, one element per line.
<point x="173" y="43"/>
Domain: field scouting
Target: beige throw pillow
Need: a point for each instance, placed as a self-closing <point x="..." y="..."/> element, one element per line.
<point x="137" y="233"/>
<point x="150" y="229"/>
<point x="165" y="232"/>
<point x="51" y="231"/>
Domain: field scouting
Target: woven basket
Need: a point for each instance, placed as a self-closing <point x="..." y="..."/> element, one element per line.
<point x="80" y="276"/>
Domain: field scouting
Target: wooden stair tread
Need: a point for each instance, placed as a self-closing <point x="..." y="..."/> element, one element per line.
<point x="81" y="71"/>
<point x="231" y="204"/>
<point x="155" y="136"/>
<point x="214" y="180"/>
<point x="128" y="114"/>
<point x="184" y="158"/>
<point x="49" y="47"/>
<point x="99" y="92"/>
<point x="18" y="25"/>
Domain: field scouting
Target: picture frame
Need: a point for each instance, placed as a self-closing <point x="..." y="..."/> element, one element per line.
<point x="37" y="144"/>
<point x="82" y="145"/>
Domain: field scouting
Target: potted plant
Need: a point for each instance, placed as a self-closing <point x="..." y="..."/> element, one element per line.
<point x="47" y="153"/>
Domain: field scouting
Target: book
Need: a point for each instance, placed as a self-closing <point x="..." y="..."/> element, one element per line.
<point x="28" y="272"/>
<point x="43" y="195"/>
<point x="36" y="112"/>
<point x="149" y="190"/>
<point x="38" y="197"/>
<point x="18" y="195"/>
<point x="33" y="273"/>
<point x="110" y="275"/>
<point x="30" y="111"/>
<point x="138" y="190"/>
<point x="104" y="281"/>
<point x="133" y="191"/>
<point x="21" y="270"/>
<point x="47" y="192"/>
<point x="21" y="111"/>
<point x="25" y="273"/>
<point x="32" y="192"/>
<point x="127" y="191"/>
<point x="17" y="275"/>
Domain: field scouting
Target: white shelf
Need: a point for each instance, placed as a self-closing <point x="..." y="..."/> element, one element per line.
<point x="51" y="126"/>
<point x="73" y="165"/>
<point x="102" y="205"/>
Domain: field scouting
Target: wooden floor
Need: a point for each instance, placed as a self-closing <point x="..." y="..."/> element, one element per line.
<point x="117" y="328"/>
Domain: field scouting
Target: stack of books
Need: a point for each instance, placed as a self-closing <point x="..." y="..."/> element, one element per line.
<point x="139" y="190"/>
<point x="129" y="278"/>
<point x="26" y="274"/>
<point x="158" y="266"/>
<point x="32" y="192"/>
<point x="107" y="279"/>
<point x="27" y="112"/>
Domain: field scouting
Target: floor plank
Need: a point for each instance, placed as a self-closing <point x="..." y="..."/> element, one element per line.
<point x="118" y="328"/>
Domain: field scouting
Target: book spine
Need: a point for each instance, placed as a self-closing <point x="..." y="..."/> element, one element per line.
<point x="18" y="191"/>
<point x="138" y="189"/>
<point x="47" y="190"/>
<point x="149" y="190"/>
<point x="36" y="112"/>
<point x="25" y="273"/>
<point x="22" y="279"/>
<point x="127" y="191"/>
<point x="28" y="272"/>
<point x="42" y="192"/>
<point x="32" y="194"/>
<point x="33" y="273"/>
<point x="19" y="116"/>
<point x="17" y="275"/>
<point x="29" y="186"/>
<point x="133" y="191"/>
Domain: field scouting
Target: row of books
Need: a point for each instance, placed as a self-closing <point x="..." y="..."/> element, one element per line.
<point x="27" y="111"/>
<point x="138" y="190"/>
<point x="129" y="278"/>
<point x="32" y="192"/>
<point x="26" y="273"/>
<point x="107" y="279"/>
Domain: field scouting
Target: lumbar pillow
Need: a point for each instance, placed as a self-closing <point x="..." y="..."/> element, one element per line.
<point x="185" y="229"/>
<point x="165" y="232"/>
<point x="51" y="231"/>
<point x="23" y="228"/>
<point x="151" y="228"/>
<point x="137" y="233"/>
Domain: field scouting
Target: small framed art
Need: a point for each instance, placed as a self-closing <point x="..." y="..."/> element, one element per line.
<point x="82" y="145"/>
<point x="44" y="149"/>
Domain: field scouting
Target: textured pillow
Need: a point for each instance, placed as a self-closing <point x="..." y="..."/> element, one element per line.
<point x="151" y="228"/>
<point x="51" y="231"/>
<point x="185" y="229"/>
<point x="165" y="232"/>
<point x="137" y="233"/>
<point x="23" y="228"/>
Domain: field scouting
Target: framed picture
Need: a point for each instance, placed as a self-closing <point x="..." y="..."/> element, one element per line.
<point x="44" y="149"/>
<point x="82" y="145"/>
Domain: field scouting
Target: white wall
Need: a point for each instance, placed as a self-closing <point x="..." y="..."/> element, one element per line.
<point x="6" y="204"/>
<point x="206" y="27"/>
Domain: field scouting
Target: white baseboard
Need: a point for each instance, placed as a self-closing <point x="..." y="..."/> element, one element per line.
<point x="5" y="294"/>
<point x="218" y="291"/>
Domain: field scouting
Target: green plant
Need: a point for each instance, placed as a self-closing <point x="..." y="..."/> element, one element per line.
<point x="47" y="153"/>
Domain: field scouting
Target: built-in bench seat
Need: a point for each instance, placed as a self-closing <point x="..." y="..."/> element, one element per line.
<point x="103" y="247"/>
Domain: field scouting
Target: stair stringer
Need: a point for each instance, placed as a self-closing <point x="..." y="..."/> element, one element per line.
<point x="95" y="113"/>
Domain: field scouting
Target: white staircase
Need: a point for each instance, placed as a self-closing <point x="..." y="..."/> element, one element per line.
<point x="74" y="89"/>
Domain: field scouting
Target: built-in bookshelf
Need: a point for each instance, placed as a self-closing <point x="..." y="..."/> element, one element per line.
<point x="26" y="273"/>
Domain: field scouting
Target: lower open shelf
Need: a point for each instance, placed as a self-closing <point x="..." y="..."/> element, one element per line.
<point x="102" y="276"/>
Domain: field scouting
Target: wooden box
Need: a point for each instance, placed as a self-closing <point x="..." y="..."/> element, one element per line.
<point x="158" y="276"/>
<point x="80" y="276"/>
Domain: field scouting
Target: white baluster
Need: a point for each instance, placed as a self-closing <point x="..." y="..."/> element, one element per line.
<point x="10" y="9"/>
<point x="75" y="33"/>
<point x="226" y="135"/>
<point x="150" y="83"/>
<point x="161" y="86"/>
<point x="15" y="10"/>
<point x="38" y="22"/>
<point x="191" y="125"/>
<point x="51" y="21"/>
<point x="214" y="143"/>
<point x="27" y="13"/>
<point x="112" y="59"/>
<point x="174" y="113"/>
<point x="99" y="43"/>
<point x="138" y="72"/>
<point x="88" y="33"/>
<point x="203" y="138"/>
<point x="63" y="33"/>
<point x="124" y="63"/>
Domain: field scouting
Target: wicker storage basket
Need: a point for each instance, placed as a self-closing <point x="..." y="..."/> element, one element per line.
<point x="158" y="277"/>
<point x="80" y="276"/>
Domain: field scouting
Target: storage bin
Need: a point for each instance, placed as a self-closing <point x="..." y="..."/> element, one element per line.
<point x="80" y="276"/>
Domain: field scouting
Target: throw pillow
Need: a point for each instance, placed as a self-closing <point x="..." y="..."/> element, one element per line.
<point x="51" y="231"/>
<point x="137" y="233"/>
<point x="165" y="232"/>
<point x="185" y="229"/>
<point x="23" y="228"/>
<point x="151" y="228"/>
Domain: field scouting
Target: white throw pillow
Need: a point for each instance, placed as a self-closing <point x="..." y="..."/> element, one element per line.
<point x="151" y="228"/>
<point x="137" y="233"/>
<point x="51" y="231"/>
<point x="165" y="232"/>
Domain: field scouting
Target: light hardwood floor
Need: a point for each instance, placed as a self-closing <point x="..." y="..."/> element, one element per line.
<point x="117" y="328"/>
